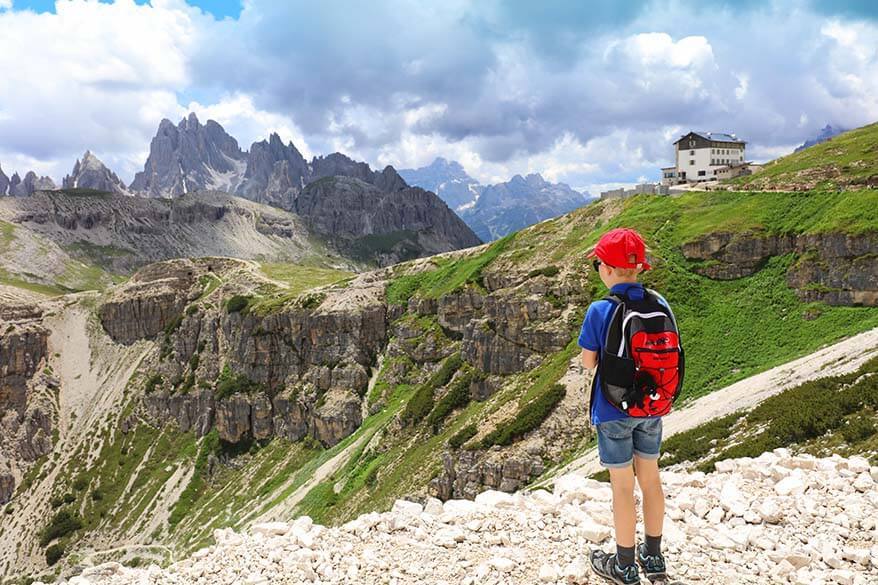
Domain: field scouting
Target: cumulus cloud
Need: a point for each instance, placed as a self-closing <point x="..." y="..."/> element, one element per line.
<point x="109" y="74"/>
<point x="239" y="117"/>
<point x="585" y="93"/>
<point x="5" y="5"/>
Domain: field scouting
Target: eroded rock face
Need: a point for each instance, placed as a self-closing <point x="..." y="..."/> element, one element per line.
<point x="233" y="418"/>
<point x="469" y="473"/>
<point x="194" y="411"/>
<point x="7" y="487"/>
<point x="346" y="210"/>
<point x="25" y="413"/>
<point x="504" y="334"/>
<point x="338" y="417"/>
<point x="290" y="418"/>
<point x="839" y="269"/>
<point x="22" y="349"/>
<point x="154" y="297"/>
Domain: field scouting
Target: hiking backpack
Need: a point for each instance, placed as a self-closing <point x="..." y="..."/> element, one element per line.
<point x="641" y="363"/>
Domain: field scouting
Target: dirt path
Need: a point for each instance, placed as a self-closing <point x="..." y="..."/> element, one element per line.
<point x="840" y="358"/>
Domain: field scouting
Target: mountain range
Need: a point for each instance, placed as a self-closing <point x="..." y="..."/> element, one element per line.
<point x="492" y="211"/>
<point x="191" y="156"/>
<point x="368" y="216"/>
<point x="825" y="134"/>
<point x="15" y="186"/>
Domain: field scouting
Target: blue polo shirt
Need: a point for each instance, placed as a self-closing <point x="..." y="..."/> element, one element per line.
<point x="592" y="336"/>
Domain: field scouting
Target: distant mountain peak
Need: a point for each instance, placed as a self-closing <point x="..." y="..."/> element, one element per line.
<point x="493" y="211"/>
<point x="826" y="133"/>
<point x="190" y="157"/>
<point x="90" y="173"/>
<point x="191" y="121"/>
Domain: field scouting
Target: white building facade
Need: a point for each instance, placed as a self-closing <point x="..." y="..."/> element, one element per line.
<point x="699" y="155"/>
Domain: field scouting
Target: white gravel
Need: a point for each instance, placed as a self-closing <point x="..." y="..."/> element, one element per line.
<point x="774" y="519"/>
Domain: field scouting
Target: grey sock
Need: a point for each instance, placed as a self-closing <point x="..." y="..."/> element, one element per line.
<point x="654" y="545"/>
<point x="625" y="555"/>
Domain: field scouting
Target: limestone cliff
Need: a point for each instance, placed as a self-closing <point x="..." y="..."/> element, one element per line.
<point x="837" y="268"/>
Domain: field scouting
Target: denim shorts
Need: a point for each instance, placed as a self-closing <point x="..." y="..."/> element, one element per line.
<point x="620" y="440"/>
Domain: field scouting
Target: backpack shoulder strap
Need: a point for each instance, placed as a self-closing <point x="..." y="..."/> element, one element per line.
<point x="670" y="310"/>
<point x="614" y="298"/>
<point x="617" y="301"/>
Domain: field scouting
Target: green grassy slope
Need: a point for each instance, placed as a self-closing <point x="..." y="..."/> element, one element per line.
<point x="849" y="160"/>
<point x="835" y="414"/>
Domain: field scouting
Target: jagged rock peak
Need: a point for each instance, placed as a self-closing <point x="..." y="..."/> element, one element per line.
<point x="190" y="157"/>
<point x="19" y="187"/>
<point x="91" y="173"/>
<point x="275" y="172"/>
<point x="4" y="182"/>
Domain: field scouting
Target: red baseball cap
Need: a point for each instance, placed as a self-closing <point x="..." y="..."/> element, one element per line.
<point x="621" y="247"/>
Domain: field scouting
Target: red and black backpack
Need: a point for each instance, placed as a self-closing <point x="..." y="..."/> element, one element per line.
<point x="641" y="363"/>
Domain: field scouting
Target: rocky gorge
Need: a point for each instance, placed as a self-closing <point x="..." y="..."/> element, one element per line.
<point x="306" y="370"/>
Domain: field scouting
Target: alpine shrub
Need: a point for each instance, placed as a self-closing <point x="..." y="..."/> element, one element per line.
<point x="528" y="417"/>
<point x="462" y="436"/>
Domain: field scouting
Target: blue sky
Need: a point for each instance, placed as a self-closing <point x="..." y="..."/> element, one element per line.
<point x="217" y="8"/>
<point x="588" y="93"/>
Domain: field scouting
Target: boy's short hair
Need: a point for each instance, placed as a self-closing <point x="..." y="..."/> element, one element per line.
<point x="627" y="272"/>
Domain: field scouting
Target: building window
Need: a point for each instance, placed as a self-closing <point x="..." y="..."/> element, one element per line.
<point x="691" y="153"/>
<point x="702" y="173"/>
<point x="691" y="163"/>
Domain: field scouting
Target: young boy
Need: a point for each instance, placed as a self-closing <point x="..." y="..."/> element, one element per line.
<point x="620" y="255"/>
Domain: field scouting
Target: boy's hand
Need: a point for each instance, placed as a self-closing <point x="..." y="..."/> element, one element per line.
<point x="589" y="358"/>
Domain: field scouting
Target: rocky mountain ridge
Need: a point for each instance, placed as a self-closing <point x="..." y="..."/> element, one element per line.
<point x="192" y="157"/>
<point x="118" y="233"/>
<point x="15" y="186"/>
<point x="493" y="211"/>
<point x="507" y="207"/>
<point x="776" y="518"/>
<point x="447" y="179"/>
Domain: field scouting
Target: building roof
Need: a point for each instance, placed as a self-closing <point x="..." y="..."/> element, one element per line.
<point x="714" y="136"/>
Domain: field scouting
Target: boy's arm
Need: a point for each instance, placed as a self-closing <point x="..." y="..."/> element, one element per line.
<point x="589" y="358"/>
<point x="589" y="337"/>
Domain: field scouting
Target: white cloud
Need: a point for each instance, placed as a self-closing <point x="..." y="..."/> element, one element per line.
<point x="5" y="5"/>
<point x="248" y="124"/>
<point x="449" y="81"/>
<point x="659" y="49"/>
<point x="109" y="74"/>
<point x="743" y="85"/>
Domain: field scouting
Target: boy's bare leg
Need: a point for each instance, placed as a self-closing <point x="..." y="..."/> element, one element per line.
<point x="624" y="514"/>
<point x="653" y="495"/>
